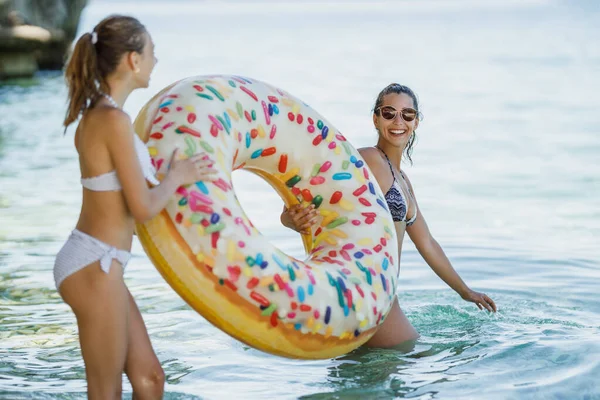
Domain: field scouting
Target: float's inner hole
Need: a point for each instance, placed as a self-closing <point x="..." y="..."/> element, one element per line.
<point x="263" y="206"/>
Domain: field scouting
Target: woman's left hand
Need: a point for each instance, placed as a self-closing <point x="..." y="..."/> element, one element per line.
<point x="480" y="299"/>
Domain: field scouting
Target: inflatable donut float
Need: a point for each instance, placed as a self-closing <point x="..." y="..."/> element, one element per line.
<point x="209" y="252"/>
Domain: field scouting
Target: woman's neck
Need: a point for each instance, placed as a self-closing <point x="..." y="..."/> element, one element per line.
<point x="393" y="153"/>
<point x="119" y="91"/>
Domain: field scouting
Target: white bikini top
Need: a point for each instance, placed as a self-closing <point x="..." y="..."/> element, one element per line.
<point x="110" y="182"/>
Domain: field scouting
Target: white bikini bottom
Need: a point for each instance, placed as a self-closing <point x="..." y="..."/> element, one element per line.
<point x="81" y="250"/>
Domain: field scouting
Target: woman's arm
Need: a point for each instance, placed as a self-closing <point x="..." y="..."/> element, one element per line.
<point x="436" y="258"/>
<point x="143" y="202"/>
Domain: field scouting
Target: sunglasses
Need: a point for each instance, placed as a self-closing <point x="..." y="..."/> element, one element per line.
<point x="390" y="113"/>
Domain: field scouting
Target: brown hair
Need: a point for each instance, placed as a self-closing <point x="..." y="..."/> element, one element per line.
<point x="95" y="56"/>
<point x="399" y="89"/>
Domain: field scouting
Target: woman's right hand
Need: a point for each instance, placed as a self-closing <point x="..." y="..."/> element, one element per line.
<point x="191" y="170"/>
<point x="299" y="218"/>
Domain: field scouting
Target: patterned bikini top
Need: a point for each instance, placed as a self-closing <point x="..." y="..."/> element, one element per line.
<point x="396" y="200"/>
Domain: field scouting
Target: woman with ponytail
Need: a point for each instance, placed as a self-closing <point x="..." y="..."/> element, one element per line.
<point x="106" y="65"/>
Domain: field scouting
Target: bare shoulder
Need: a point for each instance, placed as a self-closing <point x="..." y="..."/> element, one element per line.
<point x="111" y="120"/>
<point x="371" y="155"/>
<point x="112" y="127"/>
<point x="101" y="125"/>
<point x="368" y="152"/>
<point x="373" y="158"/>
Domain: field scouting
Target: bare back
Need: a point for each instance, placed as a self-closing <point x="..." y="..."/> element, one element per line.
<point x="104" y="214"/>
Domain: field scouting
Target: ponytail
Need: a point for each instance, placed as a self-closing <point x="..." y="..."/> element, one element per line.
<point x="82" y="78"/>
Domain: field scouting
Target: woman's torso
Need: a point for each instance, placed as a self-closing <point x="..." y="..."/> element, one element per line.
<point x="410" y="211"/>
<point x="389" y="181"/>
<point x="104" y="214"/>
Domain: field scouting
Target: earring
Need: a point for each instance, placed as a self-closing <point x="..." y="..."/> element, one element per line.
<point x="137" y="70"/>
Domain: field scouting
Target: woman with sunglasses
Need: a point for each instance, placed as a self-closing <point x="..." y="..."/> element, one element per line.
<point x="396" y="117"/>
